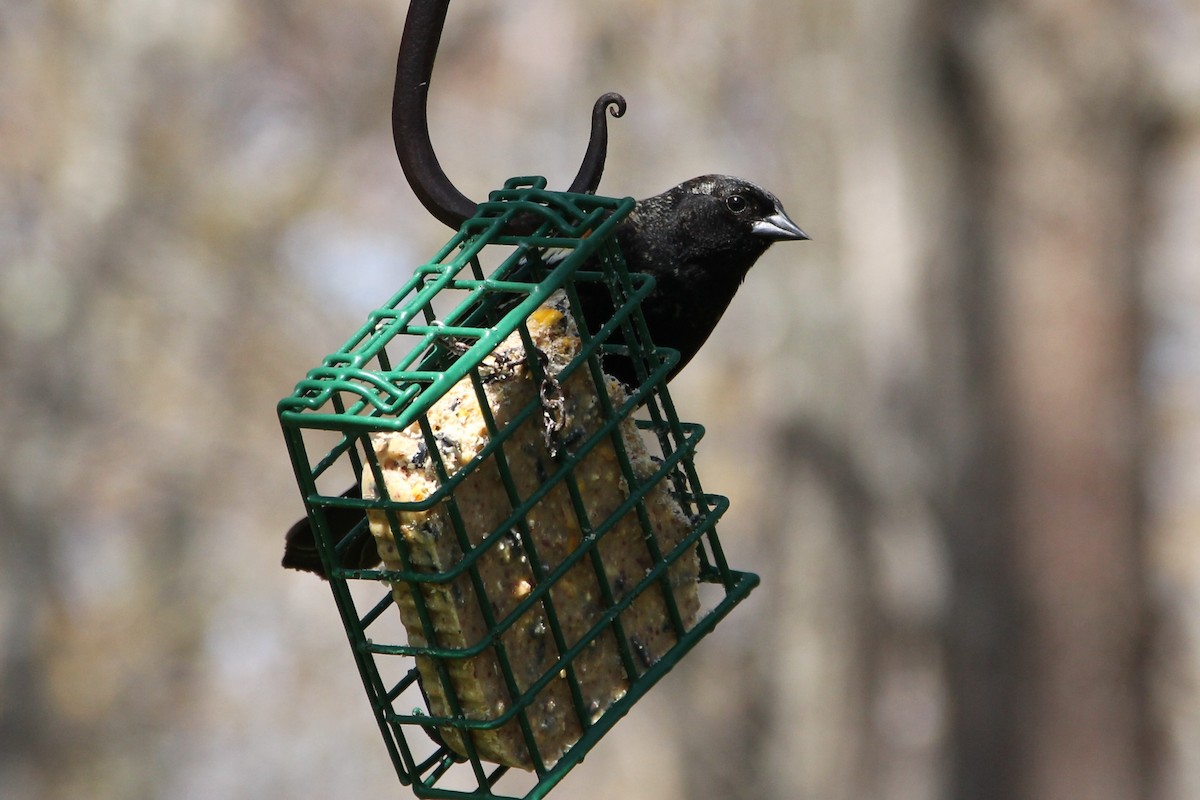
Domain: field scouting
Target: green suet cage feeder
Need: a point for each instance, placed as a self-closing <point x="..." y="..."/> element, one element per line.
<point x="521" y="635"/>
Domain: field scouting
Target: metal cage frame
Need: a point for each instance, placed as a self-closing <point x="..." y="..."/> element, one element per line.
<point x="439" y="329"/>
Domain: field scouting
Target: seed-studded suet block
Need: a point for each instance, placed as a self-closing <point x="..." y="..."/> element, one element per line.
<point x="571" y="416"/>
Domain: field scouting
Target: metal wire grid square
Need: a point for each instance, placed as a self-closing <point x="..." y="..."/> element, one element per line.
<point x="438" y="330"/>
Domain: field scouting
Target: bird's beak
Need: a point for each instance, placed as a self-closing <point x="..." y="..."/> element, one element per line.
<point x="778" y="227"/>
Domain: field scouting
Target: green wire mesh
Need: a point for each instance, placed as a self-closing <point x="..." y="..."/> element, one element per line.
<point x="439" y="329"/>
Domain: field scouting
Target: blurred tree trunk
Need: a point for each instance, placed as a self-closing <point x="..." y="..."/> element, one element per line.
<point x="1049" y="616"/>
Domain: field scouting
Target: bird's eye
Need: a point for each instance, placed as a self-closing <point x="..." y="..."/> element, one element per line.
<point x="736" y="203"/>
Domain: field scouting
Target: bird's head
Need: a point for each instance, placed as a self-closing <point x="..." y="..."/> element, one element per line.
<point x="714" y="217"/>
<point x="736" y="204"/>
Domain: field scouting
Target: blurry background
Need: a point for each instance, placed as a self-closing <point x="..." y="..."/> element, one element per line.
<point x="960" y="429"/>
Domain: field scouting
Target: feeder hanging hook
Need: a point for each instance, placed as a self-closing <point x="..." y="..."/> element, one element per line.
<point x="410" y="121"/>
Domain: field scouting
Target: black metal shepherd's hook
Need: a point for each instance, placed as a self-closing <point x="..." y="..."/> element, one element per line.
<point x="410" y="121"/>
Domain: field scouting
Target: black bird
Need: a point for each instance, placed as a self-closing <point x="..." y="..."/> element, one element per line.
<point x="698" y="240"/>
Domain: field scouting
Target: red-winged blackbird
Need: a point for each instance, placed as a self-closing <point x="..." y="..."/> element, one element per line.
<point x="698" y="240"/>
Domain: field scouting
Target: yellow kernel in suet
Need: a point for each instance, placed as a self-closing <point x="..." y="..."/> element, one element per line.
<point x="545" y="316"/>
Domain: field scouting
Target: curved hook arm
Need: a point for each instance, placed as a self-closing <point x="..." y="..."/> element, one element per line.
<point x="410" y="120"/>
<point x="588" y="177"/>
